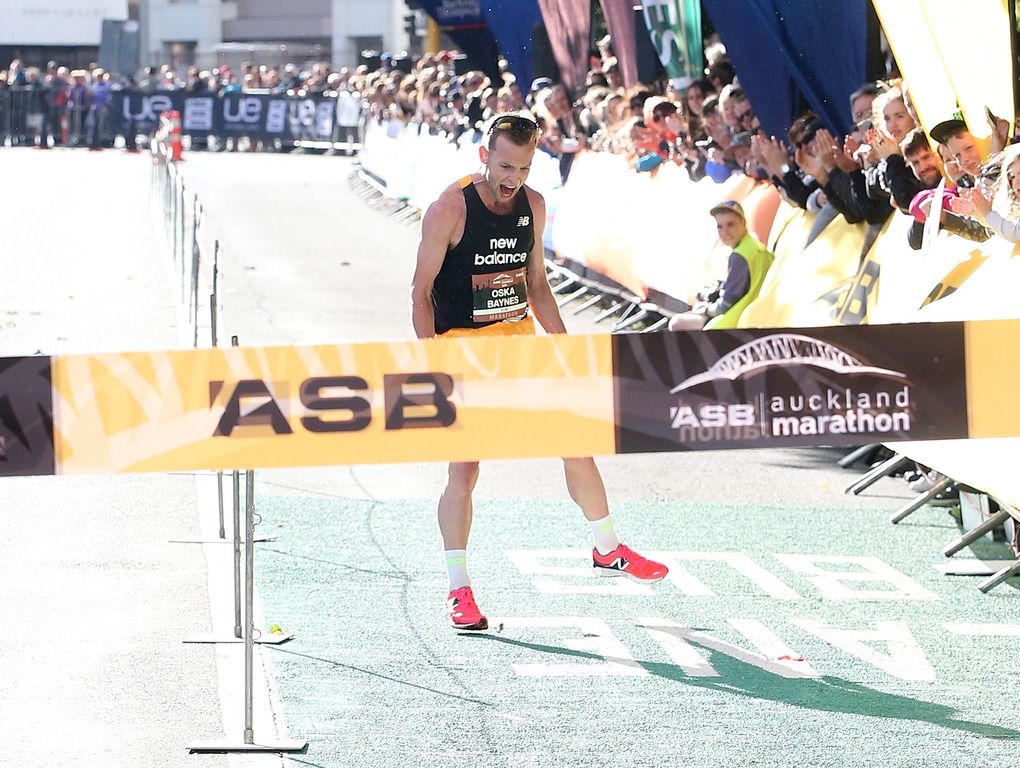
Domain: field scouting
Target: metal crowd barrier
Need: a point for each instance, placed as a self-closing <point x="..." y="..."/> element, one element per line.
<point x="181" y="215"/>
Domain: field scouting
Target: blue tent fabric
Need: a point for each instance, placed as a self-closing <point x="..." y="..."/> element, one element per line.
<point x="512" y="22"/>
<point x="783" y="49"/>
<point x="463" y="23"/>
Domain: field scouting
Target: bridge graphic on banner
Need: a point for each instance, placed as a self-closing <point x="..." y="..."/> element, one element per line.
<point x="783" y="349"/>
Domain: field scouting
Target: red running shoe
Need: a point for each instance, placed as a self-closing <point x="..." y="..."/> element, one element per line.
<point x="624" y="561"/>
<point x="463" y="612"/>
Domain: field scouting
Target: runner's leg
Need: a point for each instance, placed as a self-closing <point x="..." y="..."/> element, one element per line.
<point x="455" y="508"/>
<point x="586" y="487"/>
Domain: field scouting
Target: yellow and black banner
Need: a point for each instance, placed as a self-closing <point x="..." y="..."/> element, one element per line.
<point x="509" y="397"/>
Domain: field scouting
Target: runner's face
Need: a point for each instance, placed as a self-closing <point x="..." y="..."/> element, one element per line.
<point x="731" y="228"/>
<point x="506" y="167"/>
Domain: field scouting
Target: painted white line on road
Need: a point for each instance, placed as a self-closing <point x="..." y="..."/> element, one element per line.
<point x="597" y="640"/>
<point x="983" y="630"/>
<point x="835" y="584"/>
<point x="774" y="655"/>
<point x="905" y="659"/>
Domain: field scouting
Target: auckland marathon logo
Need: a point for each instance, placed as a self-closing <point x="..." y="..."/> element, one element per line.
<point x="819" y="407"/>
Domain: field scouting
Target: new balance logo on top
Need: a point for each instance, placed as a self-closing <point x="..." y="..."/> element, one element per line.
<point x="523" y="221"/>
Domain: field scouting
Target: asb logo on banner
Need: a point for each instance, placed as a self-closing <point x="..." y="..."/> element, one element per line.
<point x="761" y="388"/>
<point x="26" y="416"/>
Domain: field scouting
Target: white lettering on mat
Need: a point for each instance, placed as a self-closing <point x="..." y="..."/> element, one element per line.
<point x="597" y="640"/>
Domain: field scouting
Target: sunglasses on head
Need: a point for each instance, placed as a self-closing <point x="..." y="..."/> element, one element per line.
<point x="518" y="124"/>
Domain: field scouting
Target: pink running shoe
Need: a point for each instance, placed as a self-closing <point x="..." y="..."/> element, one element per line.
<point x="624" y="561"/>
<point x="463" y="612"/>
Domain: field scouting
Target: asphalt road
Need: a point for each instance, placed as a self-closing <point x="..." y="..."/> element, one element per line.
<point x="97" y="601"/>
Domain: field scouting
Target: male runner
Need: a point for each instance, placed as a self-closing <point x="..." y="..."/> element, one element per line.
<point x="455" y="272"/>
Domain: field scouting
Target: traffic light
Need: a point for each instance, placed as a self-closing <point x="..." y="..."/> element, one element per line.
<point x="411" y="25"/>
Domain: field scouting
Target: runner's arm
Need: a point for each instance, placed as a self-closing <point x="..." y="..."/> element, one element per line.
<point x="437" y="228"/>
<point x="540" y="295"/>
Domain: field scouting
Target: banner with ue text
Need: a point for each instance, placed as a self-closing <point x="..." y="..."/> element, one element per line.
<point x="506" y="397"/>
<point x="257" y="115"/>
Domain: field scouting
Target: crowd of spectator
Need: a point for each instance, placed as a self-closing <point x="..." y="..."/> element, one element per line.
<point x="59" y="106"/>
<point x="707" y="126"/>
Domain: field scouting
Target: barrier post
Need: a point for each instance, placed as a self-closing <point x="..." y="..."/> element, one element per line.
<point x="213" y="331"/>
<point x="265" y="638"/>
<point x="196" y="265"/>
<point x="249" y="599"/>
<point x="237" y="550"/>
<point x="248" y="742"/>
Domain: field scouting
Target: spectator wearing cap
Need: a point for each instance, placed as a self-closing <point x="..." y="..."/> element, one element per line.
<point x="738" y="154"/>
<point x="926" y="168"/>
<point x="968" y="152"/>
<point x="538" y="85"/>
<point x="745" y="273"/>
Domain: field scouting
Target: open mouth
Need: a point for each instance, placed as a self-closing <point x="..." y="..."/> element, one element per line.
<point x="507" y="190"/>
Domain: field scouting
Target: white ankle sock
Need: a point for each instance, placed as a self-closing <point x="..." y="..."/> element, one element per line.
<point x="456" y="568"/>
<point x="606" y="539"/>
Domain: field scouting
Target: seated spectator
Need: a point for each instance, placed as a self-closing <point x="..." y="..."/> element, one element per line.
<point x="745" y="274"/>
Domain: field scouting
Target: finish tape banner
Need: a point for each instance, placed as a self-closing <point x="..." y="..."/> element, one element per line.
<point x="503" y="398"/>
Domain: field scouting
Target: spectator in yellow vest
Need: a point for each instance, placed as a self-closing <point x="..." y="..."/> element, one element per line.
<point x="745" y="273"/>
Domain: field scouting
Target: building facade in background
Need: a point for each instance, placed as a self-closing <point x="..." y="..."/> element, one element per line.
<point x="207" y="33"/>
<point x="68" y="31"/>
<point x="215" y="32"/>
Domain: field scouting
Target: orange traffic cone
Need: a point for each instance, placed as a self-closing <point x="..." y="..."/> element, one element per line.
<point x="175" y="135"/>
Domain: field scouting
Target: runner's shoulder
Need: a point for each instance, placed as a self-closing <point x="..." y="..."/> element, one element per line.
<point x="450" y="206"/>
<point x="535" y="199"/>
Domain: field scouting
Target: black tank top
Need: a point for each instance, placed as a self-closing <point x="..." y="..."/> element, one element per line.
<point x="484" y="278"/>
